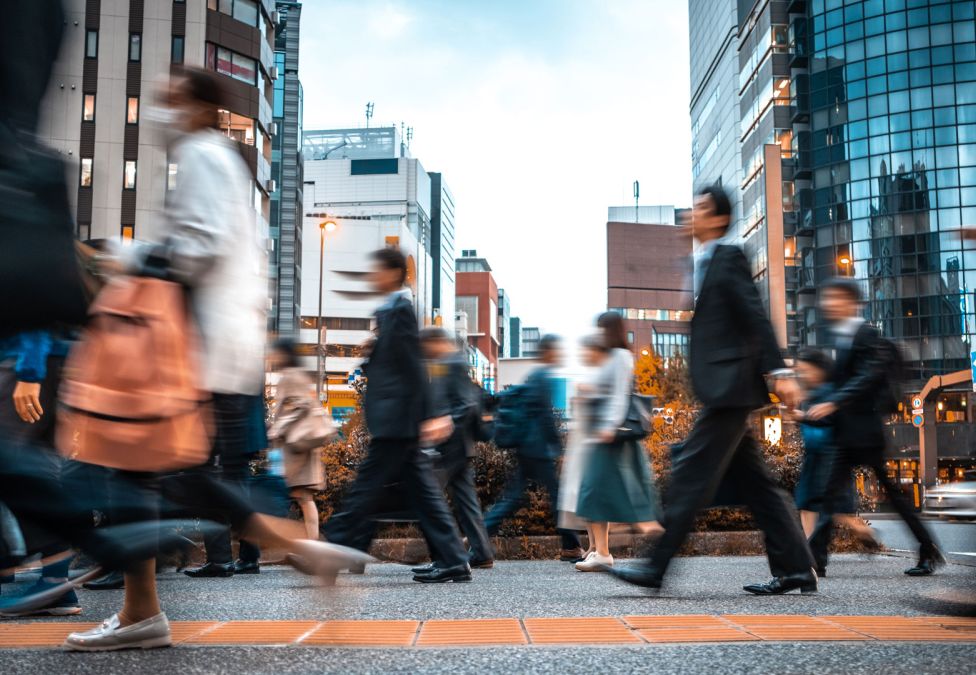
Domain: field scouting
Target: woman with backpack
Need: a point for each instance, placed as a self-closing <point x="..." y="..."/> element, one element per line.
<point x="302" y="427"/>
<point x="617" y="486"/>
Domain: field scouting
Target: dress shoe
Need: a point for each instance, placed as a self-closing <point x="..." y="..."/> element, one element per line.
<point x="805" y="582"/>
<point x="210" y="570"/>
<point x="821" y="572"/>
<point x="440" y="575"/>
<point x="486" y="564"/>
<point x="572" y="555"/>
<point x="247" y="567"/>
<point x="66" y="605"/>
<point x="110" y="582"/>
<point x="423" y="569"/>
<point x="325" y="559"/>
<point x="110" y="636"/>
<point x="929" y="558"/>
<point x="638" y="574"/>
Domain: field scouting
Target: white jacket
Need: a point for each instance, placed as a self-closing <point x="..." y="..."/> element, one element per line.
<point x="214" y="245"/>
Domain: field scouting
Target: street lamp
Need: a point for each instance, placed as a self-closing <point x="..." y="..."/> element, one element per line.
<point x="324" y="226"/>
<point x="846" y="261"/>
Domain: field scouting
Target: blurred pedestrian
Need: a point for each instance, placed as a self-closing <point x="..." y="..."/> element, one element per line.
<point x="399" y="420"/>
<point x="733" y="349"/>
<point x="860" y="377"/>
<point x="617" y="486"/>
<point x="538" y="450"/>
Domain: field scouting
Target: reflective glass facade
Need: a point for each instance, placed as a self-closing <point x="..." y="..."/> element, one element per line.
<point x="886" y="167"/>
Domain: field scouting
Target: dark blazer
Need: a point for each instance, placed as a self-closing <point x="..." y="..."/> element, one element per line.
<point x="396" y="399"/>
<point x="858" y="373"/>
<point x="732" y="342"/>
<point x="452" y="393"/>
<point x="542" y="439"/>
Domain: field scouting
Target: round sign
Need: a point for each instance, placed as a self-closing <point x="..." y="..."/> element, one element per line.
<point x="917" y="402"/>
<point x="918" y="420"/>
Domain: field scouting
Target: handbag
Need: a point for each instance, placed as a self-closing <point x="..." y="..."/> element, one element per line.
<point x="637" y="424"/>
<point x="304" y="426"/>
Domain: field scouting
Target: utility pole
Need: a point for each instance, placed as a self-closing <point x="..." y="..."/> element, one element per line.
<point x="636" y="201"/>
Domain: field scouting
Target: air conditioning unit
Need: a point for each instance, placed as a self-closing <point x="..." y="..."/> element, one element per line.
<point x="273" y="129"/>
<point x="274" y="72"/>
<point x="275" y="18"/>
<point x="272" y="185"/>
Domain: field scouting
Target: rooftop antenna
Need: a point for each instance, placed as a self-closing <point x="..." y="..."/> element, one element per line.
<point x="636" y="201"/>
<point x="369" y="113"/>
<point x="403" y="136"/>
<point x="409" y="136"/>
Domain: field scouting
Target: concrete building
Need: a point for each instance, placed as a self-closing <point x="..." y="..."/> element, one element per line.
<point x="442" y="237"/>
<point x="504" y="325"/>
<point x="285" y="268"/>
<point x="366" y="182"/>
<point x="531" y="336"/>
<point x="477" y="298"/>
<point x="115" y="53"/>
<point x="514" y="337"/>
<point x="648" y="267"/>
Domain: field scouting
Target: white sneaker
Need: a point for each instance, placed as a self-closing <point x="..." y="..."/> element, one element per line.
<point x="151" y="633"/>
<point x="595" y="563"/>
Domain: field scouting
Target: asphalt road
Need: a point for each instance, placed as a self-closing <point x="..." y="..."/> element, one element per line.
<point x="956" y="539"/>
<point x="857" y="585"/>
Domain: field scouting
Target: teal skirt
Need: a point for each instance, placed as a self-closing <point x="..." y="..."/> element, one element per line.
<point x="617" y="485"/>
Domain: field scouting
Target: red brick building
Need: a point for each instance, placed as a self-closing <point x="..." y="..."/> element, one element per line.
<point x="476" y="294"/>
<point x="648" y="277"/>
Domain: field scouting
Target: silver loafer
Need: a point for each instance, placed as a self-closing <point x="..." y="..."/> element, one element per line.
<point x="148" y="634"/>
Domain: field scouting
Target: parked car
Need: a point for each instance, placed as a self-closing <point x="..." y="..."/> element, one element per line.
<point x="953" y="500"/>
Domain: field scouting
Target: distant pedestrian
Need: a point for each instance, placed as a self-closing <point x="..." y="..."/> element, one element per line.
<point x="617" y="485"/>
<point x="539" y="449"/>
<point x="860" y="377"/>
<point x="733" y="349"/>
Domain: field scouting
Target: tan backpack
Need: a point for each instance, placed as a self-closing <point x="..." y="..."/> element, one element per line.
<point x="129" y="397"/>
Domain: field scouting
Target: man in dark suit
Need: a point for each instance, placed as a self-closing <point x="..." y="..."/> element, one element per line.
<point x="733" y="349"/>
<point x="397" y="407"/>
<point x="539" y="451"/>
<point x="859" y="376"/>
<point x="454" y="394"/>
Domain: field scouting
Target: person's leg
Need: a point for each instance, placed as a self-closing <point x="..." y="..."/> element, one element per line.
<point x="590" y="540"/>
<point x="601" y="538"/>
<point x="425" y="495"/>
<point x="464" y="496"/>
<point x="839" y="477"/>
<point x="513" y="496"/>
<point x="875" y="460"/>
<point x="310" y="512"/>
<point x="543" y="472"/>
<point x="772" y="510"/>
<point x="695" y="477"/>
<point x="141" y="598"/>
<point x="809" y="520"/>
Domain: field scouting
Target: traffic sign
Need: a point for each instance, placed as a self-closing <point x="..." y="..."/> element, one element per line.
<point x="918" y="420"/>
<point x="916" y="402"/>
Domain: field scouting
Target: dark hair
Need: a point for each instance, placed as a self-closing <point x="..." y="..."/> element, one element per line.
<point x="289" y="348"/>
<point x="549" y="341"/>
<point x="433" y="334"/>
<point x="391" y="259"/>
<point x="204" y="86"/>
<point x="721" y="205"/>
<point x="815" y="358"/>
<point x="612" y="325"/>
<point x="845" y="285"/>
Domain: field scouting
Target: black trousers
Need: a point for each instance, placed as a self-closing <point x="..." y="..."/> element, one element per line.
<point x="542" y="472"/>
<point x="720" y="447"/>
<point x="845" y="461"/>
<point x="458" y="480"/>
<point x="389" y="461"/>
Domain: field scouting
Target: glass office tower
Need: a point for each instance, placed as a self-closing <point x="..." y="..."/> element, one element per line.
<point x="886" y="169"/>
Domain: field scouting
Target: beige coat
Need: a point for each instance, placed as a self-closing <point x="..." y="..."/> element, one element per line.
<point x="302" y="469"/>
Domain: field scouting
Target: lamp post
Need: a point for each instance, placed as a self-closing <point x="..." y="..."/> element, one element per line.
<point x="845" y="260"/>
<point x="324" y="226"/>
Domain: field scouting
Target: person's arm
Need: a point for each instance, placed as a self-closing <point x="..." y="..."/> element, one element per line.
<point x="30" y="369"/>
<point x="869" y="371"/>
<point x="462" y="398"/>
<point x="741" y="293"/>
<point x="543" y="396"/>
<point x="615" y="411"/>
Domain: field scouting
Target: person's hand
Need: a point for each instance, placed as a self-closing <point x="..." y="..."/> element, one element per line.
<point x="27" y="401"/>
<point x="821" y="410"/>
<point x="606" y="435"/>
<point x="435" y="431"/>
<point x="788" y="391"/>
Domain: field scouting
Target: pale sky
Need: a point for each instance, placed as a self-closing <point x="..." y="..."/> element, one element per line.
<point x="539" y="113"/>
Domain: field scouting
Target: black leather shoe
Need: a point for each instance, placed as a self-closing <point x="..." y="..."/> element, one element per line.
<point x="571" y="554"/>
<point x="805" y="582"/>
<point x="249" y="567"/>
<point x="110" y="582"/>
<point x="211" y="570"/>
<point x="424" y="569"/>
<point x="637" y="574"/>
<point x="821" y="572"/>
<point x="929" y="558"/>
<point x="481" y="564"/>
<point x="441" y="575"/>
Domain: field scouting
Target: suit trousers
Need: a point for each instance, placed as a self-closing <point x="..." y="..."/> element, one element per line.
<point x="458" y="479"/>
<point x="389" y="461"/>
<point x="845" y="461"/>
<point x="720" y="447"/>
<point x="538" y="470"/>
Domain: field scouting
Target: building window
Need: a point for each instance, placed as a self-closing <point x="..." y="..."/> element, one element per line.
<point x="88" y="108"/>
<point x="630" y="336"/>
<point x="176" y="55"/>
<point x="91" y="44"/>
<point x="129" y="175"/>
<point x="86" y="172"/>
<point x="84" y="231"/>
<point x="132" y="110"/>
<point x="246" y="11"/>
<point x="128" y="232"/>
<point x="235" y="65"/>
<point x="135" y="47"/>
<point x="171" y="176"/>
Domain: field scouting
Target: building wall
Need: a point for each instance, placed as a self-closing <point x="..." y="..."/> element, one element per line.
<point x="648" y="269"/>
<point x="443" y="239"/>
<point x="482" y="286"/>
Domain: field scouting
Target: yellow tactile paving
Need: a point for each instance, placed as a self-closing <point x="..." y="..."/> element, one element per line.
<point x="442" y="633"/>
<point x="364" y="633"/>
<point x="591" y="630"/>
<point x="254" y="633"/>
<point x="542" y="631"/>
